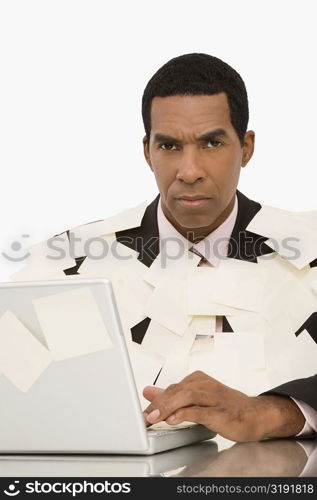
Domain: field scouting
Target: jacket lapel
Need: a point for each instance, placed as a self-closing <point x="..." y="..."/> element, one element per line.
<point x="144" y="239"/>
<point x="243" y="244"/>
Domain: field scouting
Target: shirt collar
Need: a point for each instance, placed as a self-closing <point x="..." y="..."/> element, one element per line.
<point x="213" y="247"/>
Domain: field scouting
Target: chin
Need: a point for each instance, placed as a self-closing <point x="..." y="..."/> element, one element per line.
<point x="194" y="222"/>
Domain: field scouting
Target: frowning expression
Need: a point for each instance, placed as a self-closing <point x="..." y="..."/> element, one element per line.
<point x="196" y="156"/>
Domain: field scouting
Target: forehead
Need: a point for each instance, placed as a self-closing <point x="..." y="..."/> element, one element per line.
<point x="188" y="113"/>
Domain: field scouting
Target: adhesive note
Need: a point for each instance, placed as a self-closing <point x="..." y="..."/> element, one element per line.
<point x="167" y="304"/>
<point x="310" y="278"/>
<point x="241" y="349"/>
<point x="310" y="217"/>
<point x="174" y="259"/>
<point x="288" y="289"/>
<point x="291" y="235"/>
<point x="245" y="321"/>
<point x="72" y="323"/>
<point x="129" y="218"/>
<point x="298" y="359"/>
<point x="126" y="273"/>
<point x="203" y="325"/>
<point x="222" y="360"/>
<point x="314" y="285"/>
<point x="278" y="335"/>
<point x="202" y="357"/>
<point x="158" y="339"/>
<point x="279" y="271"/>
<point x="130" y="309"/>
<point x="296" y="299"/>
<point x="114" y="258"/>
<point x="234" y="283"/>
<point x="146" y="367"/>
<point x="22" y="357"/>
<point x="200" y="305"/>
<point x="176" y="364"/>
<point x="46" y="259"/>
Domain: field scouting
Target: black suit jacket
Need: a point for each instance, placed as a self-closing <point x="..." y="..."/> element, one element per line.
<point x="243" y="245"/>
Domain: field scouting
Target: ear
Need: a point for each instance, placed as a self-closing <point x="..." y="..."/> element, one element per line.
<point x="146" y="151"/>
<point x="248" y="147"/>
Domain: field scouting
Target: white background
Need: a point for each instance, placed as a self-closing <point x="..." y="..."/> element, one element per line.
<point x="72" y="78"/>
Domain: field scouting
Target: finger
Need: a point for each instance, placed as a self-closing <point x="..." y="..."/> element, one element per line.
<point x="196" y="413"/>
<point x="196" y="375"/>
<point x="202" y="380"/>
<point x="150" y="392"/>
<point x="169" y="402"/>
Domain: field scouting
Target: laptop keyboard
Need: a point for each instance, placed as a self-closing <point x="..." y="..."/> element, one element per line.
<point x="155" y="433"/>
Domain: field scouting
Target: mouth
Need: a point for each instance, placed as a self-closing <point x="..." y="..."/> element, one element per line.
<point x="192" y="201"/>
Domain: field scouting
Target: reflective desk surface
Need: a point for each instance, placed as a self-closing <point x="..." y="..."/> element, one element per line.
<point x="218" y="457"/>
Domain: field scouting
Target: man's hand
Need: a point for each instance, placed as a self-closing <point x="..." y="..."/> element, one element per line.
<point x="232" y="414"/>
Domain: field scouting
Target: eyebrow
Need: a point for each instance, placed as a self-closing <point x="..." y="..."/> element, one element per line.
<point x="208" y="136"/>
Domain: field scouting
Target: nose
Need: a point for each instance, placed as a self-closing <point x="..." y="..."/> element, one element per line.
<point x="190" y="169"/>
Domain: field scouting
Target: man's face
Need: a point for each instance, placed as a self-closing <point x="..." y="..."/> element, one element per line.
<point x="195" y="152"/>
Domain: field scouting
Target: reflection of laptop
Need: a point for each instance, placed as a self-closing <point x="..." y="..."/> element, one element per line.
<point x="82" y="404"/>
<point x="168" y="463"/>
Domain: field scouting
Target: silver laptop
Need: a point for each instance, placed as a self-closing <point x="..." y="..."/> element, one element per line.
<point x="84" y="404"/>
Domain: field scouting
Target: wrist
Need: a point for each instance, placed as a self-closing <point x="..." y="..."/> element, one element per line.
<point x="278" y="416"/>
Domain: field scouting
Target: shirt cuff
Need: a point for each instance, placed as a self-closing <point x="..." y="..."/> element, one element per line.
<point x="310" y="414"/>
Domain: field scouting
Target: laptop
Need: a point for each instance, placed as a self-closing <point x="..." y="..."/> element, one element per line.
<point x="85" y="403"/>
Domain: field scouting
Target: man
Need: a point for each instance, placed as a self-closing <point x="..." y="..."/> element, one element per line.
<point x="195" y="113"/>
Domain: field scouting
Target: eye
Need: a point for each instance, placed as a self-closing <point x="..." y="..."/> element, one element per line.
<point x="168" y="146"/>
<point x="213" y="144"/>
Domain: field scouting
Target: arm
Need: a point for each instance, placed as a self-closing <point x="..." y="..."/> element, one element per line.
<point x="304" y="393"/>
<point x="232" y="414"/>
<point x="304" y="389"/>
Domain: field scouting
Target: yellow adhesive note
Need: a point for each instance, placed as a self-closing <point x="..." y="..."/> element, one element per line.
<point x="72" y="323"/>
<point x="22" y="357"/>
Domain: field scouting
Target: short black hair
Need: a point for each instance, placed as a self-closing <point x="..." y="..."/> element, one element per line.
<point x="199" y="74"/>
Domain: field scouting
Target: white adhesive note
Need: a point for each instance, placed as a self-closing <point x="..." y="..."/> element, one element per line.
<point x="287" y="230"/>
<point x="294" y="298"/>
<point x="146" y="367"/>
<point x="203" y="325"/>
<point x="72" y="323"/>
<point x="46" y="259"/>
<point x="234" y="283"/>
<point x="167" y="304"/>
<point x="158" y="339"/>
<point x="176" y="364"/>
<point x="22" y="357"/>
<point x="241" y="349"/>
<point x="245" y="321"/>
<point x="129" y="218"/>
<point x="201" y="357"/>
<point x="173" y="259"/>
<point x="297" y="359"/>
<point x="314" y="285"/>
<point x="114" y="257"/>
<point x="227" y="364"/>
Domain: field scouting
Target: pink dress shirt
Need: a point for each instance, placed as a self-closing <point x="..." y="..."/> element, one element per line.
<point x="212" y="248"/>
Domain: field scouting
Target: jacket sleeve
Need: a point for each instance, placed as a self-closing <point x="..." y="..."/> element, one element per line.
<point x="303" y="388"/>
